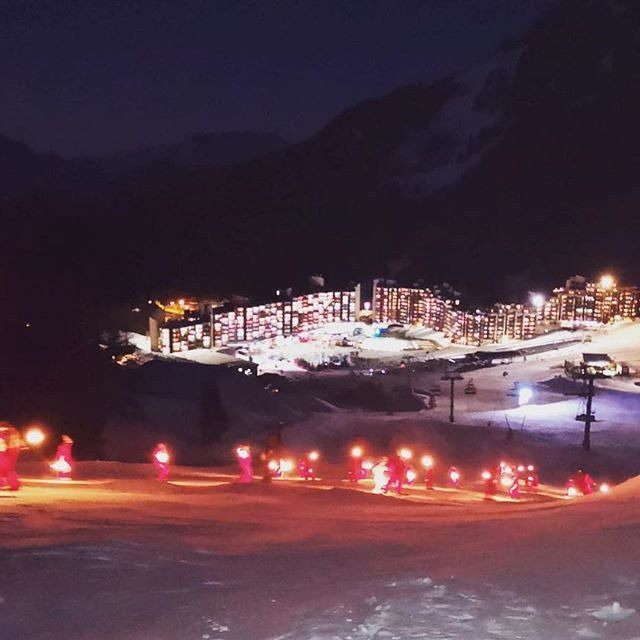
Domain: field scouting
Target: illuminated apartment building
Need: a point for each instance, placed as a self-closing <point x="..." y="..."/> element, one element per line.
<point x="580" y="301"/>
<point x="410" y="306"/>
<point x="177" y="335"/>
<point x="284" y="317"/>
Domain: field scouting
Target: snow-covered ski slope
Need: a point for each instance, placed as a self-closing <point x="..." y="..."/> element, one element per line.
<point x="116" y="555"/>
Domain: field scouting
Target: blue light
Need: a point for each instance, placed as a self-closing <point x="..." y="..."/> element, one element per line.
<point x="524" y="395"/>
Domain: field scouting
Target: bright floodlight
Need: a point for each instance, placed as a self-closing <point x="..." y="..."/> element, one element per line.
<point x="524" y="395"/>
<point x="537" y="299"/>
<point x="607" y="281"/>
<point x="34" y="437"/>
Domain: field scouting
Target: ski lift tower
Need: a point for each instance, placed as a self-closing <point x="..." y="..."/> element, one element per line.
<point x="451" y="376"/>
<point x="589" y="370"/>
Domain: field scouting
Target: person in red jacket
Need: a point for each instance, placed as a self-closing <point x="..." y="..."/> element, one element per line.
<point x="10" y="444"/>
<point x="243" y="453"/>
<point x="584" y="482"/>
<point x="307" y="465"/>
<point x="533" y="479"/>
<point x="397" y="469"/>
<point x="63" y="463"/>
<point x="514" y="488"/>
<point x="161" y="461"/>
<point x="356" y="471"/>
<point x="490" y="484"/>
<point x="427" y="463"/>
<point x="454" y="477"/>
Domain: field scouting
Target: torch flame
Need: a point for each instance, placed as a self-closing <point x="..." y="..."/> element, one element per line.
<point x="34" y="437"/>
<point x="486" y="475"/>
<point x="427" y="461"/>
<point x="356" y="452"/>
<point x="314" y="455"/>
<point x="162" y="456"/>
<point x="405" y="453"/>
<point x="61" y="466"/>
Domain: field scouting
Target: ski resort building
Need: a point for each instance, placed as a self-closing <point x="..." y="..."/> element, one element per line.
<point x="583" y="302"/>
<point x="182" y="326"/>
<point x="502" y="322"/>
<point x="421" y="307"/>
<point x="227" y="325"/>
<point x="410" y="306"/>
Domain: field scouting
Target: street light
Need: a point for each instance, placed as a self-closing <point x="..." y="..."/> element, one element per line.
<point x="537" y="300"/>
<point x="607" y="281"/>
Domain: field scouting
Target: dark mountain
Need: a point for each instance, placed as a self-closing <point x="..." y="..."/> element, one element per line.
<point x="203" y="150"/>
<point x="523" y="168"/>
<point x="24" y="172"/>
<point x="513" y="174"/>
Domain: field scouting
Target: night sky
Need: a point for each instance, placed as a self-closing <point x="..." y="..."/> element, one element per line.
<point x="93" y="77"/>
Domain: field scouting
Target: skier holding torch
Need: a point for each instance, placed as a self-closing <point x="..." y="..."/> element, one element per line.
<point x="243" y="453"/>
<point x="63" y="463"/>
<point x="161" y="461"/>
